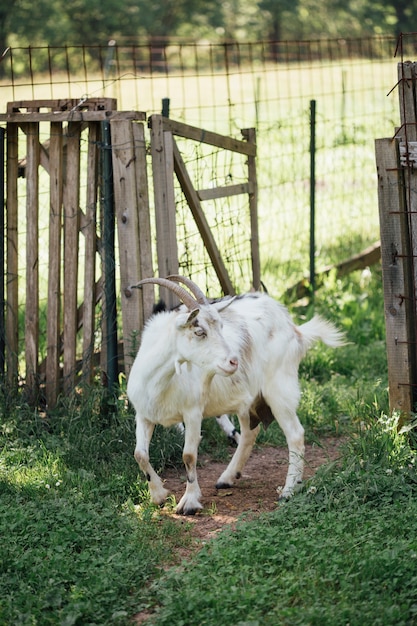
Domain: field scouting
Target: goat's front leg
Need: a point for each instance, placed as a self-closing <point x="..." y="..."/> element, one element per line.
<point x="242" y="454"/>
<point x="144" y="431"/>
<point x="190" y="502"/>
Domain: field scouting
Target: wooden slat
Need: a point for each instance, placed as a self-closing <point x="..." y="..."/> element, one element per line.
<point x="250" y="135"/>
<point x="395" y="254"/>
<point x="71" y="217"/>
<point x="200" y="219"/>
<point x="222" y="192"/>
<point x="32" y="259"/>
<point x="124" y="154"/>
<point x="66" y="104"/>
<point x="72" y="116"/>
<point x="204" y="136"/>
<point x="54" y="269"/>
<point x="144" y="222"/>
<point x="12" y="256"/>
<point x="165" y="218"/>
<point x="90" y="245"/>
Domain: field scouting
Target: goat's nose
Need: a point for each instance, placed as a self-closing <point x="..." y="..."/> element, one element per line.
<point x="234" y="362"/>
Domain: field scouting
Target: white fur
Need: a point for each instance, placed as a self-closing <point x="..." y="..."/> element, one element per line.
<point x="208" y="363"/>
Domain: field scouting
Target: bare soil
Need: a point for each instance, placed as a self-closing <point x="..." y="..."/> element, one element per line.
<point x="255" y="492"/>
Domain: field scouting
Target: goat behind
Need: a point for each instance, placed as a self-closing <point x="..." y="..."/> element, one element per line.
<point x="235" y="355"/>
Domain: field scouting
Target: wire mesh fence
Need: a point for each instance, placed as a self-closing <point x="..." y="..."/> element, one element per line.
<point x="266" y="85"/>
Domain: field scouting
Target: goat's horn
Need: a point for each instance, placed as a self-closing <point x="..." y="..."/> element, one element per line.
<point x="182" y="294"/>
<point x="195" y="290"/>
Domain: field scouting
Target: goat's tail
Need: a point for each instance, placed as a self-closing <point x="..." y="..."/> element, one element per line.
<point x="319" y="329"/>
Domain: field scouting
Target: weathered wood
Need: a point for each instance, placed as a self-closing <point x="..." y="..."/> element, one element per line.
<point x="165" y="217"/>
<point x="406" y="92"/>
<point x="89" y="230"/>
<point x="250" y="136"/>
<point x="12" y="308"/>
<point x="128" y="153"/>
<point x="144" y="222"/>
<point x="203" y="136"/>
<point x="54" y="269"/>
<point x="72" y="116"/>
<point x="398" y="292"/>
<point x="200" y="220"/>
<point x="71" y="202"/>
<point x="66" y="104"/>
<point x="32" y="260"/>
<point x="224" y="191"/>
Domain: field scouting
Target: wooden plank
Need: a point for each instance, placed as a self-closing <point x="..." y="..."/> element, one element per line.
<point x="165" y="217"/>
<point x="144" y="221"/>
<point x="406" y="94"/>
<point x="203" y="136"/>
<point x="124" y="181"/>
<point x="71" y="203"/>
<point x="54" y="269"/>
<point x="225" y="191"/>
<point x="398" y="293"/>
<point x="250" y="136"/>
<point x="66" y="104"/>
<point x="89" y="230"/>
<point x="200" y="219"/>
<point x="12" y="337"/>
<point x="32" y="260"/>
<point x="72" y="116"/>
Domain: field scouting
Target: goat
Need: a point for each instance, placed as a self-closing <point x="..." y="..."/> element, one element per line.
<point x="236" y="355"/>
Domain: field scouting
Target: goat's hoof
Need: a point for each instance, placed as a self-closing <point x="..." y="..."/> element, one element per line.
<point x="223" y="485"/>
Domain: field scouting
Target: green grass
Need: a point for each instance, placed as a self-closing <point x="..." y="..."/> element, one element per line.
<point x="82" y="545"/>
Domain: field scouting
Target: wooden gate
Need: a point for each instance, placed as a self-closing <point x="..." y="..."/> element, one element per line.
<point x="61" y="268"/>
<point x="167" y="161"/>
<point x="56" y="266"/>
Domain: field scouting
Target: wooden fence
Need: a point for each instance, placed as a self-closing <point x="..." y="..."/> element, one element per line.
<point x="396" y="159"/>
<point x="76" y="261"/>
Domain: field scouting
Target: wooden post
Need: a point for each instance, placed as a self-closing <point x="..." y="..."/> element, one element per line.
<point x="133" y="228"/>
<point x="54" y="269"/>
<point x="398" y="292"/>
<point x="71" y="230"/>
<point x="250" y="135"/>
<point x="32" y="259"/>
<point x="165" y="218"/>
<point x="12" y="336"/>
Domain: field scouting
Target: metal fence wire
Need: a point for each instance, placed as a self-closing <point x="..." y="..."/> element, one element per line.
<point x="268" y="85"/>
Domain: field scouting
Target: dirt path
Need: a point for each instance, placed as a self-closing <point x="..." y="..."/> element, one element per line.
<point x="254" y="493"/>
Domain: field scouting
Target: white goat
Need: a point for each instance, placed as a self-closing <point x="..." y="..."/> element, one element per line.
<point x="236" y="355"/>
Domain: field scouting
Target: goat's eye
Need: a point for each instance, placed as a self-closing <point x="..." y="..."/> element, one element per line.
<point x="200" y="332"/>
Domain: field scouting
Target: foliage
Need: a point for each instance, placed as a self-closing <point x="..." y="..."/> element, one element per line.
<point x="96" y="22"/>
<point x="78" y="550"/>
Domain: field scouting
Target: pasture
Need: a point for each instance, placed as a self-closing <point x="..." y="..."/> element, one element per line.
<point x="83" y="544"/>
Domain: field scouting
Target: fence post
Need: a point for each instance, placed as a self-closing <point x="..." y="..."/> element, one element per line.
<point x="312" y="197"/>
<point x="109" y="258"/>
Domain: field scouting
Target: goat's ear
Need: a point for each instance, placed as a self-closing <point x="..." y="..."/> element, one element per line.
<point x="220" y="305"/>
<point x="186" y="319"/>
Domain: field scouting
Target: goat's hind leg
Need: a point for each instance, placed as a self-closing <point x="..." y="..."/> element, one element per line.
<point x="144" y="431"/>
<point x="242" y="454"/>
